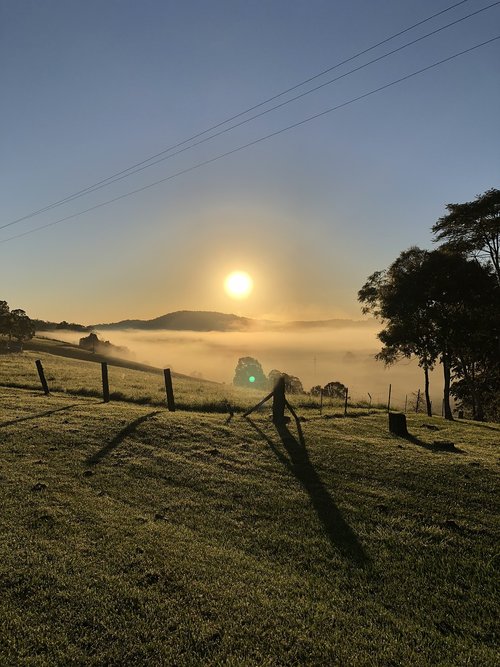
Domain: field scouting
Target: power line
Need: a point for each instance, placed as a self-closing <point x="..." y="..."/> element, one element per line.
<point x="255" y="141"/>
<point x="132" y="171"/>
<point x="125" y="172"/>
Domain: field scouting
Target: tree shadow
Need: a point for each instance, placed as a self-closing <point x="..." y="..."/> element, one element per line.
<point x="39" y="414"/>
<point x="437" y="448"/>
<point x="297" y="461"/>
<point x="119" y="438"/>
<point x="477" y="424"/>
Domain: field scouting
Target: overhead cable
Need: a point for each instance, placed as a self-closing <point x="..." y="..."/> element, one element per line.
<point x="255" y="141"/>
<point x="143" y="164"/>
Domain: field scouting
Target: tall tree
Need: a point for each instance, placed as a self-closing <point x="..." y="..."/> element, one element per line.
<point x="249" y="373"/>
<point x="4" y="317"/>
<point x="430" y="303"/>
<point x="398" y="298"/>
<point x="20" y="327"/>
<point x="473" y="228"/>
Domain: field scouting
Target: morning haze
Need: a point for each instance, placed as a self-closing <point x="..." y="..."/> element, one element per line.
<point x="342" y="351"/>
<point x="249" y="332"/>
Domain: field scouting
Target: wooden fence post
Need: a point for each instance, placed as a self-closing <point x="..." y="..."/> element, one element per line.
<point x="345" y="402"/>
<point x="279" y="402"/>
<point x="105" y="382"/>
<point x="321" y="401"/>
<point x="389" y="399"/>
<point x="418" y="401"/>
<point x="41" y="375"/>
<point x="169" y="389"/>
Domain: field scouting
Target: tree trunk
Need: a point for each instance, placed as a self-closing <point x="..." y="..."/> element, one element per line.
<point x="446" y="393"/>
<point x="427" y="397"/>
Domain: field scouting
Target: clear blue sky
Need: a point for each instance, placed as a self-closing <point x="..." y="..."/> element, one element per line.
<point x="90" y="87"/>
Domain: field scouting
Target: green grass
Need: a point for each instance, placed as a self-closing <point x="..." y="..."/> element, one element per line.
<point x="80" y="375"/>
<point x="134" y="536"/>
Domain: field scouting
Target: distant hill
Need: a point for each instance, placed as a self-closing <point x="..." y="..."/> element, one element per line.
<point x="187" y="320"/>
<point x="201" y="320"/>
<point x="204" y="320"/>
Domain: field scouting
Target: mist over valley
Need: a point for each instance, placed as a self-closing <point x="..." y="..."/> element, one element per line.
<point x="315" y="352"/>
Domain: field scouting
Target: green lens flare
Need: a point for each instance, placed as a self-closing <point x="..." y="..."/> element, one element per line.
<point x="251" y="378"/>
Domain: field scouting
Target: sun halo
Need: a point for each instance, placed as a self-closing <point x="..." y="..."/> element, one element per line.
<point x="238" y="285"/>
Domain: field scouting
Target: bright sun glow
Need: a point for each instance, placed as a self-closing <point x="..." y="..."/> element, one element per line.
<point x="238" y="284"/>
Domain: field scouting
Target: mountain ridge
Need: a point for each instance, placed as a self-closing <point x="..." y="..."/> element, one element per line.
<point x="207" y="320"/>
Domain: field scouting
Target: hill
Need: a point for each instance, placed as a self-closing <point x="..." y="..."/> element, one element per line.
<point x="201" y="320"/>
<point x="191" y="320"/>
<point x="130" y="535"/>
<point x="186" y="320"/>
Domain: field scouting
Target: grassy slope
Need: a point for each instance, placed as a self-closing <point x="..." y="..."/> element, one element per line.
<point x="130" y="535"/>
<point x="80" y="374"/>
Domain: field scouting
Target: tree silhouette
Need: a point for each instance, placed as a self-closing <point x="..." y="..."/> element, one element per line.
<point x="434" y="305"/>
<point x="473" y="228"/>
<point x="334" y="389"/>
<point x="249" y="373"/>
<point x="292" y="383"/>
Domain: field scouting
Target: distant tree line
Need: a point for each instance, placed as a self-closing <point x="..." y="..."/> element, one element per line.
<point x="443" y="306"/>
<point x="15" y="324"/>
<point x="249" y="373"/>
<point x="43" y="325"/>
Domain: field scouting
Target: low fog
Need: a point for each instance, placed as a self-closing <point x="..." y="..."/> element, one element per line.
<point x="315" y="356"/>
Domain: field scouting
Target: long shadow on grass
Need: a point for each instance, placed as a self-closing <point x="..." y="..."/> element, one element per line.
<point x="437" y="448"/>
<point x="298" y="463"/>
<point x="119" y="438"/>
<point x="39" y="414"/>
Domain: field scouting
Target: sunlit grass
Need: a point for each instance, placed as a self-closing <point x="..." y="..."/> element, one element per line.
<point x="131" y="535"/>
<point x="83" y="378"/>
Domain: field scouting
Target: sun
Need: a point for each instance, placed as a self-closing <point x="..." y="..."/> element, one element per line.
<point x="238" y="284"/>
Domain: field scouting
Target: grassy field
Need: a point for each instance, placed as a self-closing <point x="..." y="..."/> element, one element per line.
<point x="79" y="374"/>
<point x="73" y="371"/>
<point x="135" y="536"/>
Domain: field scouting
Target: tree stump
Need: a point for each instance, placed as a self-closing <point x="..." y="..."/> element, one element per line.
<point x="397" y="424"/>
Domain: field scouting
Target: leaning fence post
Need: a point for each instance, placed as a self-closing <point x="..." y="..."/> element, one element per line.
<point x="345" y="402"/>
<point x="321" y="401"/>
<point x="169" y="389"/>
<point x="41" y="375"/>
<point x="389" y="399"/>
<point x="279" y="401"/>
<point x="105" y="382"/>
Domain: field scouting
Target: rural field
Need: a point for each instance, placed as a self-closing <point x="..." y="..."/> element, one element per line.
<point x="131" y="535"/>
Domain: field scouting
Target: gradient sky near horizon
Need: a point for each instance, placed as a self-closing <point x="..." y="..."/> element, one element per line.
<point x="89" y="88"/>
